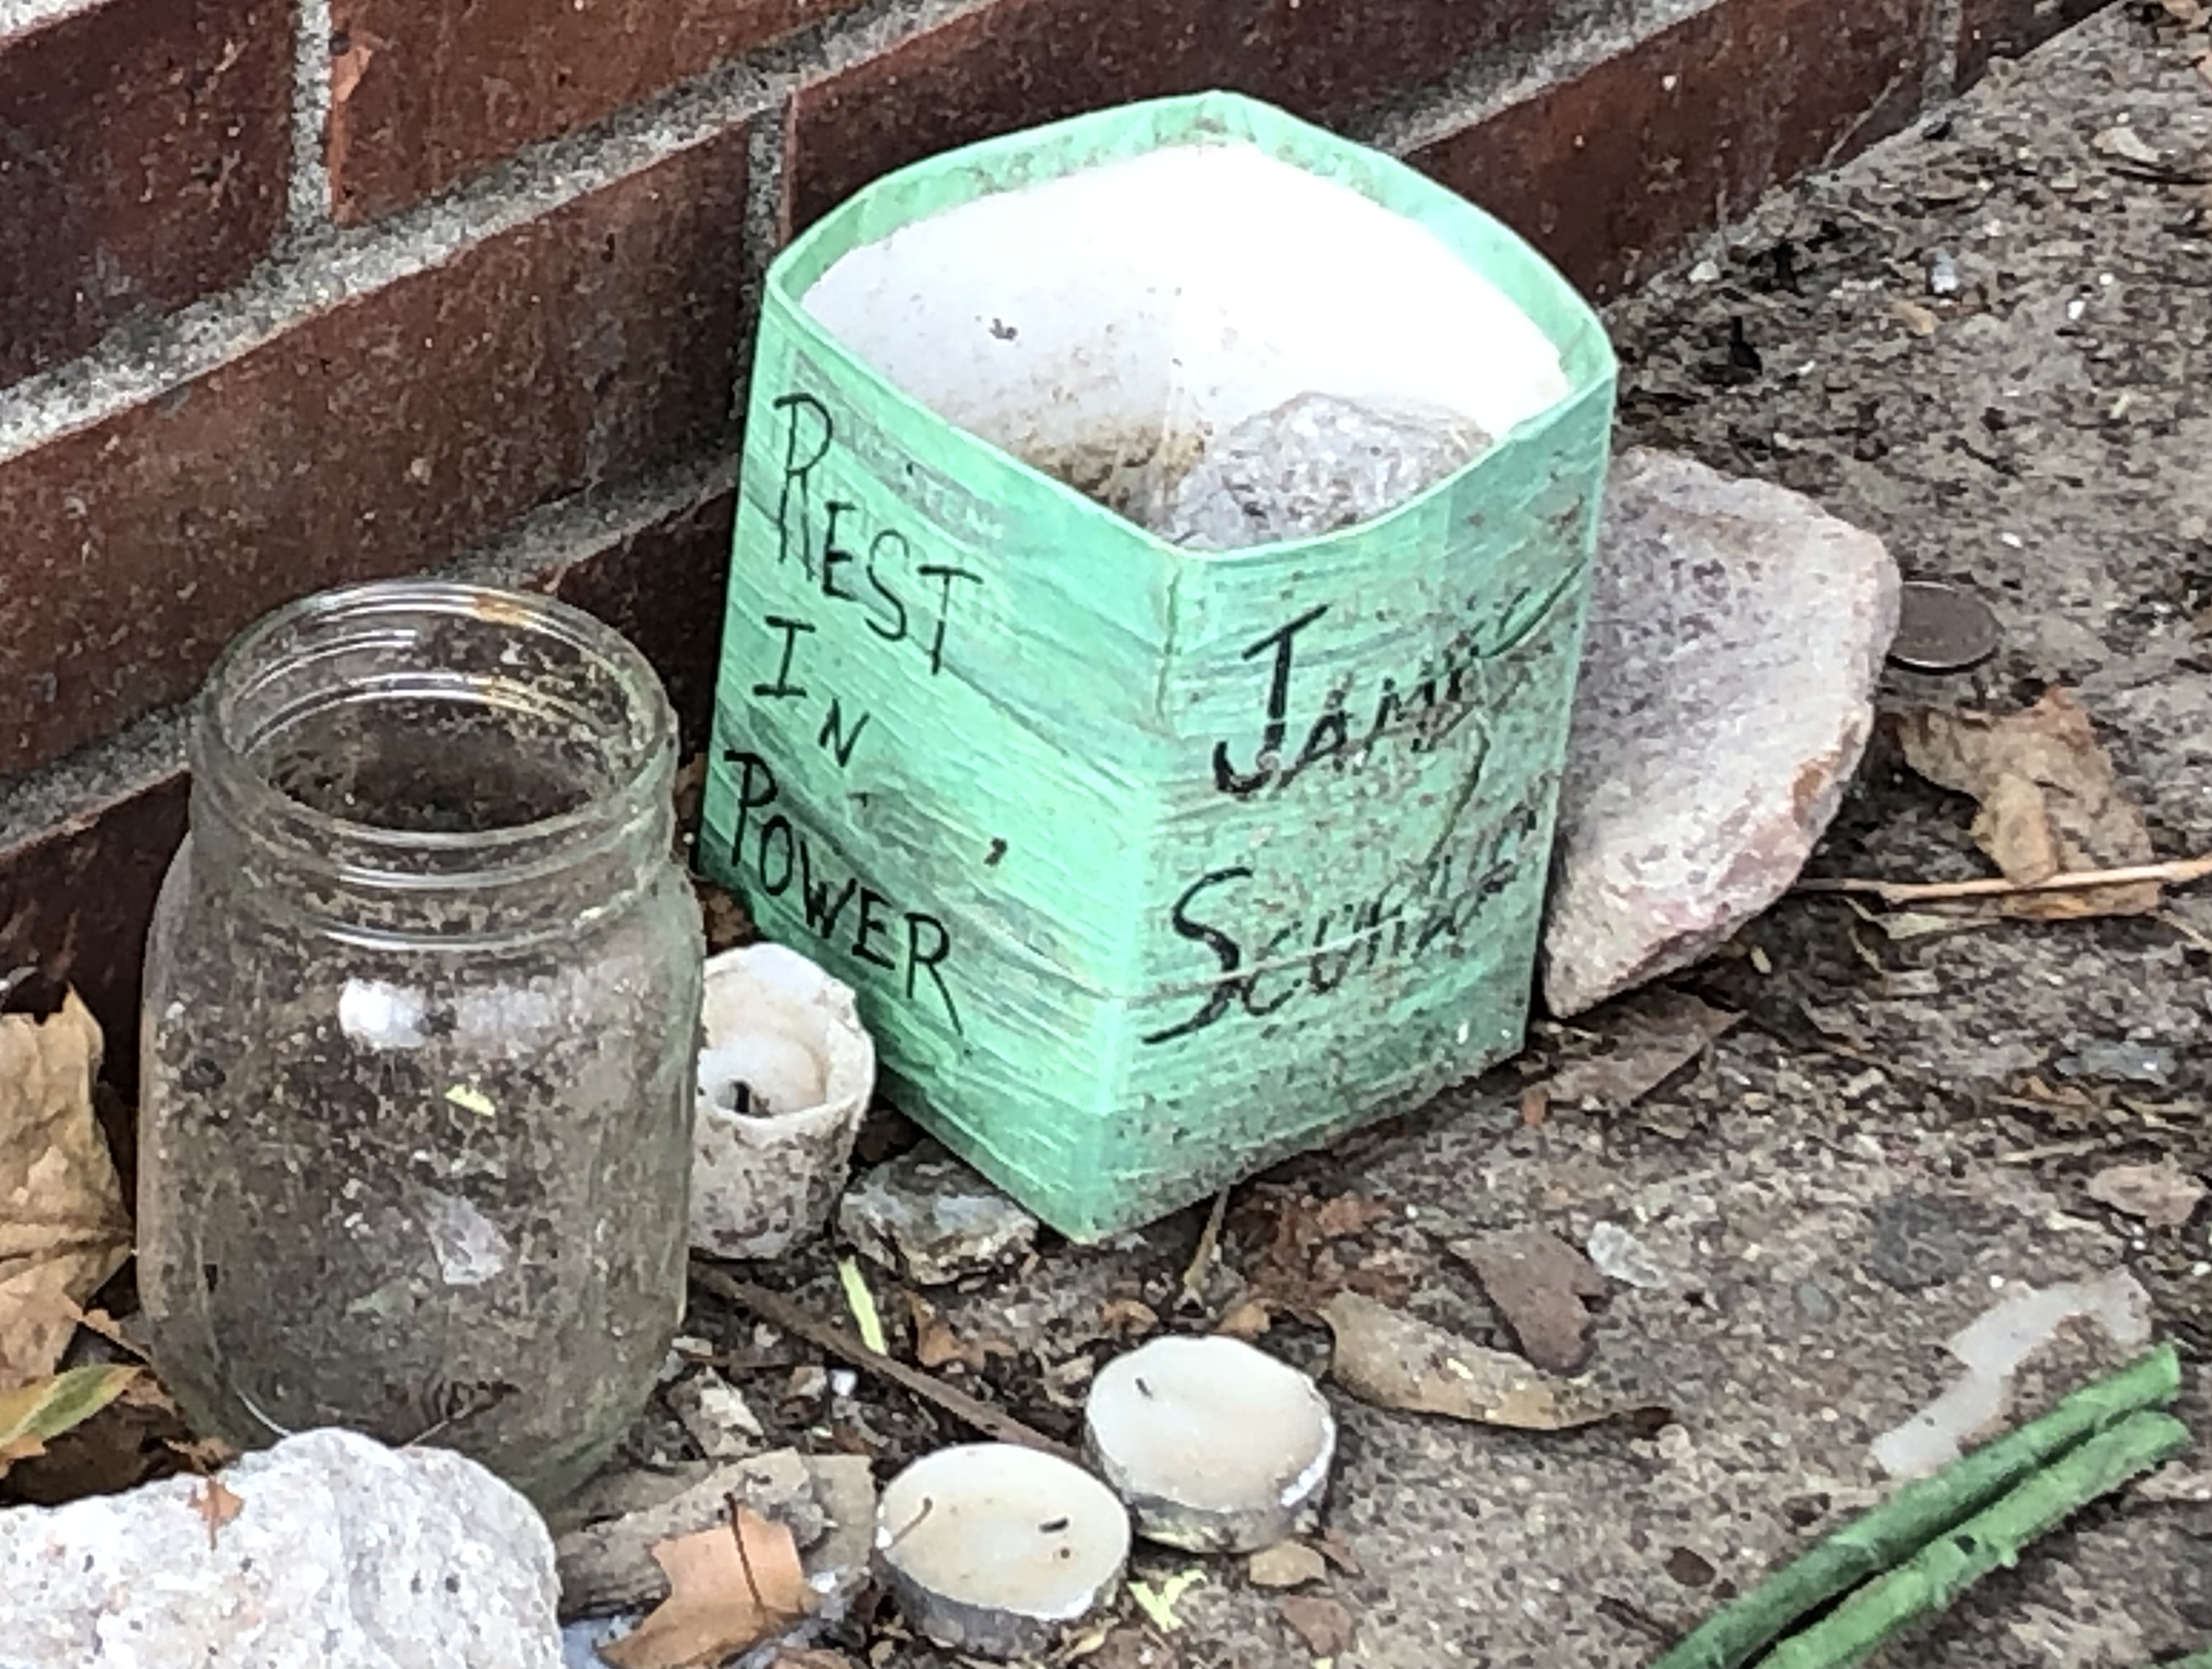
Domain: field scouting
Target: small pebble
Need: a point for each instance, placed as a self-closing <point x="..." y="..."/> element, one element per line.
<point x="717" y="1417"/>
<point x="2122" y="1062"/>
<point x="1813" y="1301"/>
<point x="1620" y="1256"/>
<point x="930" y="1218"/>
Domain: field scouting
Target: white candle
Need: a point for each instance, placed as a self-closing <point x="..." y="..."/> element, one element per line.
<point x="785" y="1072"/>
<point x="1216" y="1446"/>
<point x="992" y="1550"/>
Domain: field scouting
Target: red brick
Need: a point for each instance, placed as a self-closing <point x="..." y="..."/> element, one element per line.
<point x="144" y="147"/>
<point x="2006" y="29"/>
<point x="386" y="434"/>
<point x="1013" y="63"/>
<point x="1612" y="172"/>
<point x="425" y="93"/>
<point x="663" y="587"/>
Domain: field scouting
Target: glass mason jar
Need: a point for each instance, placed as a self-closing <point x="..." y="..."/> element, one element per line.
<point x="421" y="1035"/>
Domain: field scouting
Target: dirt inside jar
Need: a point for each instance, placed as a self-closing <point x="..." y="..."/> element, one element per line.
<point x="427" y="1185"/>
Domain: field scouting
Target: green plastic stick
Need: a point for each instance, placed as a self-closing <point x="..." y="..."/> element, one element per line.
<point x="2202" y="1660"/>
<point x="1918" y="1512"/>
<point x="1989" y="1541"/>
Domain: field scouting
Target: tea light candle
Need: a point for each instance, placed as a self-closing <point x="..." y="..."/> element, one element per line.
<point x="785" y="1074"/>
<point x="1215" y="1446"/>
<point x="992" y="1550"/>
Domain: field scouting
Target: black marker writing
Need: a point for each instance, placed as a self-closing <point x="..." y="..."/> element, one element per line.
<point x="783" y="689"/>
<point x="770" y="852"/>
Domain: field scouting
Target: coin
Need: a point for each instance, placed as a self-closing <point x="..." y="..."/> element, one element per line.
<point x="1942" y="628"/>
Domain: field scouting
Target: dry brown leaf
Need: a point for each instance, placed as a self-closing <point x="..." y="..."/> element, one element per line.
<point x="203" y="1453"/>
<point x="64" y="1230"/>
<point x="1653" y="1035"/>
<point x="1536" y="1106"/>
<point x="1325" y="1625"/>
<point x="1128" y="1318"/>
<point x="1296" y="1269"/>
<point x="1286" y="1565"/>
<point x="730" y="1588"/>
<point x="1917" y="319"/>
<point x="110" y="1329"/>
<point x="1538" y="1283"/>
<point x="216" y="1503"/>
<point x="33" y="1415"/>
<point x="1246" y="1321"/>
<point x="1388" y="1358"/>
<point x="936" y="1343"/>
<point x="2163" y="1195"/>
<point x="1337" y="1553"/>
<point x="2051" y="801"/>
<point x="1350" y="1214"/>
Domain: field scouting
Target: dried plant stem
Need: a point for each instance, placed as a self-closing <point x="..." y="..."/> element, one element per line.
<point x="2178" y="872"/>
<point x="781" y="1313"/>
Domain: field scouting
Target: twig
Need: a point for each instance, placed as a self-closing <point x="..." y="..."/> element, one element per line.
<point x="2178" y="872"/>
<point x="779" y="1312"/>
<point x="1921" y="1512"/>
<point x="1202" y="1260"/>
<point x="2062" y="1150"/>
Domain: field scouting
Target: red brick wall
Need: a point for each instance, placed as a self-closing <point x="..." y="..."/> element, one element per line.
<point x="297" y="291"/>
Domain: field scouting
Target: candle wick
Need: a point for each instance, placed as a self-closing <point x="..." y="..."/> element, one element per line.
<point x="913" y="1524"/>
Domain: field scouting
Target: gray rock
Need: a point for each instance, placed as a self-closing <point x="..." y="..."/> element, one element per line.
<point x="928" y="1216"/>
<point x="581" y="1640"/>
<point x="2121" y="1063"/>
<point x="341" y="1554"/>
<point x="1736" y="634"/>
<point x="717" y="1415"/>
<point x="845" y="1485"/>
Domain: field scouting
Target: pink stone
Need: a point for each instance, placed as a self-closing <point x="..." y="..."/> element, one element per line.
<point x="1736" y="635"/>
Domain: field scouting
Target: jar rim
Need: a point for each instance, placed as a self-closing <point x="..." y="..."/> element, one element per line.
<point x="647" y="753"/>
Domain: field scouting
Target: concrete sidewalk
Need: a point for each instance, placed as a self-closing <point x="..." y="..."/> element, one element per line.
<point x="1888" y="1145"/>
